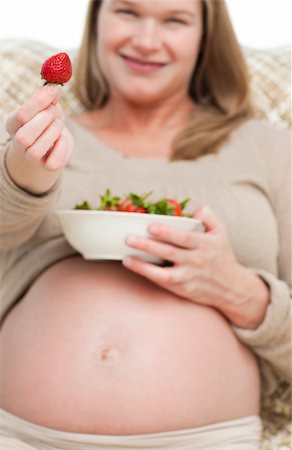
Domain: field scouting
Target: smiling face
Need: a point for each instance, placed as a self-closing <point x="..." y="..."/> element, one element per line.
<point x="147" y="49"/>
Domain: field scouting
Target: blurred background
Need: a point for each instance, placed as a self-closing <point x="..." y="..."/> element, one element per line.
<point x="258" y="23"/>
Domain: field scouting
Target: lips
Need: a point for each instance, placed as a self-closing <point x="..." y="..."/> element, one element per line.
<point x="142" y="66"/>
<point x="146" y="63"/>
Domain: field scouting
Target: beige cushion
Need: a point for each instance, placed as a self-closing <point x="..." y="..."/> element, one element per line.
<point x="270" y="72"/>
<point x="20" y="63"/>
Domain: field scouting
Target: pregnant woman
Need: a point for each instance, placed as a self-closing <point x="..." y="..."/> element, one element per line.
<point x="132" y="355"/>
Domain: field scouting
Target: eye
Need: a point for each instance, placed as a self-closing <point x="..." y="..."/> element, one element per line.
<point x="176" y="20"/>
<point x="127" y="12"/>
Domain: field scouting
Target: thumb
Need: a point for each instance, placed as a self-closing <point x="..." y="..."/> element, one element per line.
<point x="207" y="216"/>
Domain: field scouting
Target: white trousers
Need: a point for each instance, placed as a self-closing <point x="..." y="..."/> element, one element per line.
<point x="239" y="434"/>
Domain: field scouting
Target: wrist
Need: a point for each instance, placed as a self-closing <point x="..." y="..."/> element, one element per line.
<point x="251" y="297"/>
<point x="27" y="176"/>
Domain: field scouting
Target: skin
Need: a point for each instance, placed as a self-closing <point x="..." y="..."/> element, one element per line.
<point x="205" y="269"/>
<point x="96" y="345"/>
<point x="149" y="32"/>
<point x="70" y="336"/>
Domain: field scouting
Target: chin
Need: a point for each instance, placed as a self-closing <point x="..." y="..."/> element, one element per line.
<point x="143" y="97"/>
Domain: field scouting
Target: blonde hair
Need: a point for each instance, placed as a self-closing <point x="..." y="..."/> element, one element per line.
<point x="219" y="86"/>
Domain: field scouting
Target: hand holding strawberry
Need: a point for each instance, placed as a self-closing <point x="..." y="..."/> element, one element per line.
<point x="40" y="144"/>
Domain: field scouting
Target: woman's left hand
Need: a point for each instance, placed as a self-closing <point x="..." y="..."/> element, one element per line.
<point x="204" y="270"/>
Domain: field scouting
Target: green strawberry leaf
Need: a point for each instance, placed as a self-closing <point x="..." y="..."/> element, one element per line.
<point x="184" y="203"/>
<point x="84" y="205"/>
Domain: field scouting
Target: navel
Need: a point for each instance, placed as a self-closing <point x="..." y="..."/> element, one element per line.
<point x="108" y="354"/>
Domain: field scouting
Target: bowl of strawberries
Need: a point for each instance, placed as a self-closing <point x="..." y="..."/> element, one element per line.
<point x="100" y="232"/>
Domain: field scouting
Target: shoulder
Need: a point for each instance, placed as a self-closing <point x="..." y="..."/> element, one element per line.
<point x="263" y="130"/>
<point x="270" y="141"/>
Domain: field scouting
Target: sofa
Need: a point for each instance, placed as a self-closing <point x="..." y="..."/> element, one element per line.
<point x="270" y="70"/>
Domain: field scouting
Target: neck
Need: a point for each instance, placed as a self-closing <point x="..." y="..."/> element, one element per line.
<point x="172" y="114"/>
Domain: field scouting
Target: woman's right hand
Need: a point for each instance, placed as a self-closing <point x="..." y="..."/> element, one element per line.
<point x="41" y="145"/>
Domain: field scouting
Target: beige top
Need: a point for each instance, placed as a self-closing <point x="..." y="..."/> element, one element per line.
<point x="247" y="184"/>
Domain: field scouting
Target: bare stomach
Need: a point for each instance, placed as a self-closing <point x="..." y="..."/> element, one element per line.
<point x="94" y="348"/>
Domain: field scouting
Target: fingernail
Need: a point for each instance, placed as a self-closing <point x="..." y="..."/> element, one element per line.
<point x="154" y="228"/>
<point x="128" y="261"/>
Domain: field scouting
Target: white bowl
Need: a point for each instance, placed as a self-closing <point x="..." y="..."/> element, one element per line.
<point x="101" y="234"/>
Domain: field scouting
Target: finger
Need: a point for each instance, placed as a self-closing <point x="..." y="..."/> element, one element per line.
<point x="47" y="139"/>
<point x="163" y="276"/>
<point x="32" y="130"/>
<point x="58" y="156"/>
<point x="175" y="236"/>
<point x="59" y="112"/>
<point x="159" y="249"/>
<point x="38" y="102"/>
<point x="57" y="97"/>
<point x="207" y="216"/>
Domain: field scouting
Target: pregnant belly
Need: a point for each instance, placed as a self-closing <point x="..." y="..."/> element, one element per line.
<point x="95" y="348"/>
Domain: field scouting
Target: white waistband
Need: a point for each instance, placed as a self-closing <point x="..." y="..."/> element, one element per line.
<point x="238" y="434"/>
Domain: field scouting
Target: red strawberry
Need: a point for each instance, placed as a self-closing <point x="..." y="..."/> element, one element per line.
<point x="57" y="69"/>
<point x="128" y="205"/>
<point x="176" y="208"/>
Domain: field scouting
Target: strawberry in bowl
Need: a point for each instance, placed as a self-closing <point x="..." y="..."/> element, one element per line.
<point x="138" y="204"/>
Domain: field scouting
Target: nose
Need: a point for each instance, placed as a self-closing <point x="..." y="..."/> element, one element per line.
<point x="146" y="39"/>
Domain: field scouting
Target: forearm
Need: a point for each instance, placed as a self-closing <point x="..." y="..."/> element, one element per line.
<point x="21" y="213"/>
